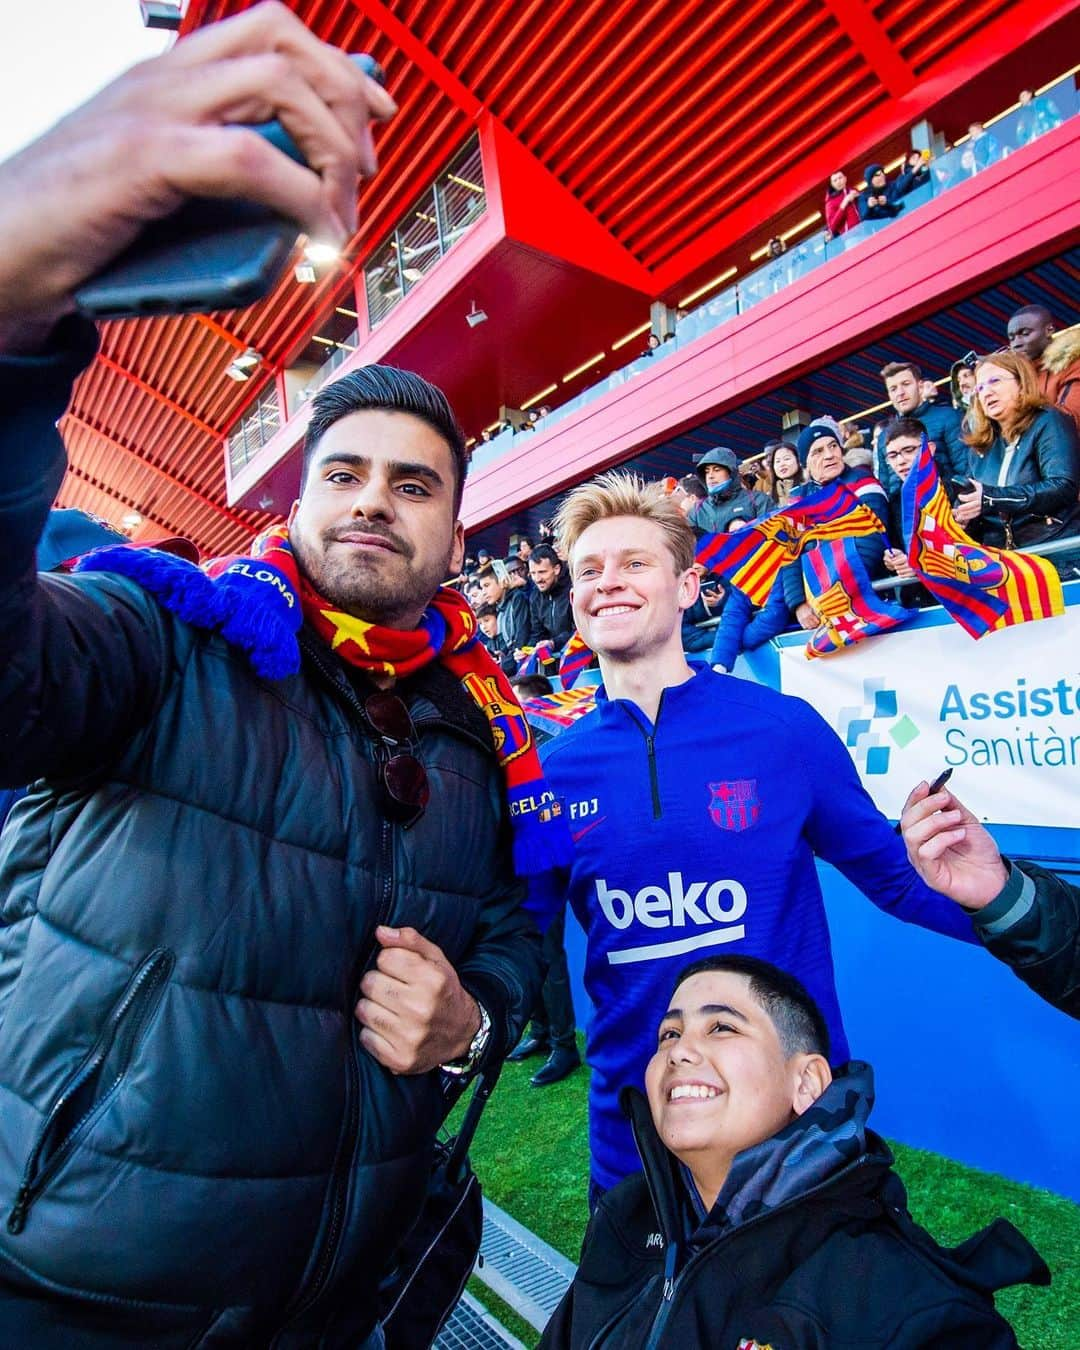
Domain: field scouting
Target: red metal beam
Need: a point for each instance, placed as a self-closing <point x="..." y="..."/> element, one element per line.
<point x="1018" y="211"/>
<point x="159" y="397"/>
<point x="986" y="45"/>
<point x="230" y="515"/>
<point x="420" y="55"/>
<point x="875" y="45"/>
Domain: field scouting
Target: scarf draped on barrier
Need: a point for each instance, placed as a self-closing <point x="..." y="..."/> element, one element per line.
<point x="257" y="603"/>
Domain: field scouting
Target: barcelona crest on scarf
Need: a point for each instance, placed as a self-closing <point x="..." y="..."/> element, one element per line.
<point x="981" y="587"/>
<point x="839" y="591"/>
<point x="257" y="603"/>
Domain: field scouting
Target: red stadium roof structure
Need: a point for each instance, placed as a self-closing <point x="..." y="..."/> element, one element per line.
<point x="631" y="152"/>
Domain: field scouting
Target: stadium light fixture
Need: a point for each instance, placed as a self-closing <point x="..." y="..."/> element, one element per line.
<point x="585" y="365"/>
<point x="475" y="316"/>
<point x="244" y="365"/>
<point x="709" y="286"/>
<point x="629" y="337"/>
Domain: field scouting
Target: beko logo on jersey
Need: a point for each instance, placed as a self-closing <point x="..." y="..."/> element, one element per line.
<point x="679" y="904"/>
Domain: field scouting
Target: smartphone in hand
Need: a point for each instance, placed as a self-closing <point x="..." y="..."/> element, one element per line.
<point x="208" y="254"/>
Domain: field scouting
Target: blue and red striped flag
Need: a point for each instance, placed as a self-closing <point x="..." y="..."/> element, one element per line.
<point x="982" y="588"/>
<point x="575" y="658"/>
<point x="535" y="657"/>
<point x="839" y="591"/>
<point x="751" y="558"/>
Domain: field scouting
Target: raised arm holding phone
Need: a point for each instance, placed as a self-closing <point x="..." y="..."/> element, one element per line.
<point x="260" y="913"/>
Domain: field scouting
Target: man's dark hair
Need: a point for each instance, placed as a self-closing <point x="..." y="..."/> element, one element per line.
<point x="393" y="390"/>
<point x="531" y="686"/>
<point x="488" y="612"/>
<point x="798" y="1020"/>
<point x="904" y="426"/>
<point x="545" y="553"/>
<point x="693" y="486"/>
<point x="897" y="367"/>
<point x="1040" y="312"/>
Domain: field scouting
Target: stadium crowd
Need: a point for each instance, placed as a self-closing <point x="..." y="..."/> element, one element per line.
<point x="274" y="895"/>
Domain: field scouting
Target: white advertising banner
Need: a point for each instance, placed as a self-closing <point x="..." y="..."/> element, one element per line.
<point x="1002" y="712"/>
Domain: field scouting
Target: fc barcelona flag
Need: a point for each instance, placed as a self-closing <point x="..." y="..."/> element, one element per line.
<point x="840" y="593"/>
<point x="535" y="657"/>
<point x="981" y="587"/>
<point x="751" y="559"/>
<point x="575" y="658"/>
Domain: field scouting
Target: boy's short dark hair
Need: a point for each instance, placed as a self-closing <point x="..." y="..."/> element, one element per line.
<point x="393" y="390"/>
<point x="798" y="1020"/>
<point x="904" y="426"/>
<point x="531" y="686"/>
<point x="488" y="612"/>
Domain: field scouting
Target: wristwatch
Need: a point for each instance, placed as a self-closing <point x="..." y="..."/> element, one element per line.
<point x="470" y="1060"/>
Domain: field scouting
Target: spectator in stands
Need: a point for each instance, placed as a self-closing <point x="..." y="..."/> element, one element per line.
<point x="727" y="499"/>
<point x="903" y="380"/>
<point x="1025" y="460"/>
<point x="649" y="834"/>
<point x="776" y="247"/>
<point x="517" y="574"/>
<point x="487" y="620"/>
<point x="483" y="556"/>
<point x="984" y="146"/>
<point x="524" y="548"/>
<point x="1038" y="114"/>
<point x="820" y="448"/>
<point x="916" y="170"/>
<point x="903" y="443"/>
<point x="880" y="199"/>
<point x="841" y="205"/>
<point x="690" y="491"/>
<point x="515" y="628"/>
<point x="782" y="459"/>
<point x="1056" y="356"/>
<point x="742" y="628"/>
<point x="1025" y="914"/>
<point x="962" y="385"/>
<point x="768" y="1213"/>
<point x="929" y="391"/>
<point x="550" y="599"/>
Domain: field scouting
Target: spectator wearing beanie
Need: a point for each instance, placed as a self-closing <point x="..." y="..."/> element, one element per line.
<point x="879" y="200"/>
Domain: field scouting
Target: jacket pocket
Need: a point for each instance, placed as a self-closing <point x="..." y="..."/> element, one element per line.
<point x="93" y="1082"/>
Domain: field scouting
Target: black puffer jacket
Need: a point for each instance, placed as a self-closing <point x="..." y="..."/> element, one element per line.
<point x="551" y="612"/>
<point x="1039" y="498"/>
<point x="1034" y="927"/>
<point x="189" y="896"/>
<point x="812" y="1248"/>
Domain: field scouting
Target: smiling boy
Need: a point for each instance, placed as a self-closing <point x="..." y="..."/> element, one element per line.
<point x="768" y="1214"/>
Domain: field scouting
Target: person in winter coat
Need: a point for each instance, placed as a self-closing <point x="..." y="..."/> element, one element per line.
<point x="820" y="449"/>
<point x="1024" y="914"/>
<point x="841" y="205"/>
<point x="727" y="499"/>
<point x="1024" y="469"/>
<point x="550" y="600"/>
<point x="881" y="200"/>
<point x="1055" y="355"/>
<point x="903" y="381"/>
<point x="259" y="906"/>
<point x="697" y="804"/>
<point x="517" y="625"/>
<point x="782" y="461"/>
<point x="767" y="1212"/>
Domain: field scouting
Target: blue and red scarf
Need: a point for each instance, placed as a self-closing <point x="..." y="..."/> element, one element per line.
<point x="258" y="601"/>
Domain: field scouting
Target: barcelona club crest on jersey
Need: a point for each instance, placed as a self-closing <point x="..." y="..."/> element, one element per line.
<point x="734" y="805"/>
<point x="509" y="728"/>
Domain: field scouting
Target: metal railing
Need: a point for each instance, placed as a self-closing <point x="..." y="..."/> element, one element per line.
<point x="254" y="429"/>
<point x="1004" y="136"/>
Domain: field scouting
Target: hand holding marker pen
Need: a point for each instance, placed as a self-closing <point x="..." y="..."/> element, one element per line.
<point x="936" y="786"/>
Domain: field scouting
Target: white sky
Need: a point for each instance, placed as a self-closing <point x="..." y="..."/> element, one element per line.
<point x="59" y="52"/>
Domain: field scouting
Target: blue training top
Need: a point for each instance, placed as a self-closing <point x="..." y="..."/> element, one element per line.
<point x="696" y="836"/>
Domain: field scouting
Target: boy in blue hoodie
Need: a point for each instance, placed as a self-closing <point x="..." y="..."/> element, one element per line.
<point x="698" y="804"/>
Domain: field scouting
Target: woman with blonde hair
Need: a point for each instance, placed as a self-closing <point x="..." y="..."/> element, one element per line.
<point x="1024" y="466"/>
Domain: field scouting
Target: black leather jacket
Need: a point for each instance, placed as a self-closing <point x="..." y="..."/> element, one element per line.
<point x="1039" y="500"/>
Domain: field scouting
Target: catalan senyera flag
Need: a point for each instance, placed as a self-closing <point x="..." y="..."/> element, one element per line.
<point x="839" y="591"/>
<point x="576" y="656"/>
<point x="983" y="588"/>
<point x="552" y="713"/>
<point x="751" y="558"/>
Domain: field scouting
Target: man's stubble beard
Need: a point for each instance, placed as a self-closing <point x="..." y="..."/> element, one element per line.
<point x="372" y="589"/>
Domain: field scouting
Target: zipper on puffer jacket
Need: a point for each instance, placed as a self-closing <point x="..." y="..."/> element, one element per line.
<point x="343" y="1160"/>
<point x="83" y="1095"/>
